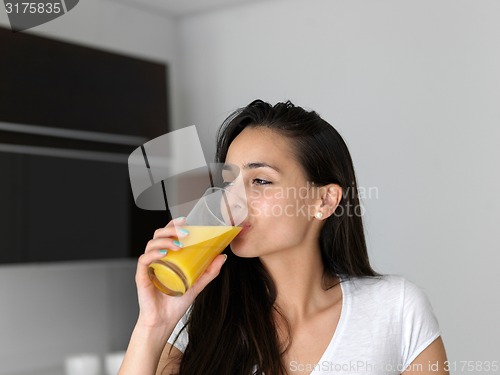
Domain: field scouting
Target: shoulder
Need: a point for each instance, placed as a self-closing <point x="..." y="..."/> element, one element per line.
<point x="386" y="289"/>
<point x="394" y="308"/>
<point x="388" y="295"/>
<point x="389" y="287"/>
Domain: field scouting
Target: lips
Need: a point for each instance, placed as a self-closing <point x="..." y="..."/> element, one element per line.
<point x="245" y="227"/>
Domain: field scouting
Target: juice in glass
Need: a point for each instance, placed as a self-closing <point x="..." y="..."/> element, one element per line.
<point x="178" y="270"/>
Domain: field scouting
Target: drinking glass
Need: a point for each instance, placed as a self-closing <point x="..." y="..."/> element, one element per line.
<point x="212" y="225"/>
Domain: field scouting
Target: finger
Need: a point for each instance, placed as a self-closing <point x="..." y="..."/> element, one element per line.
<point x="157" y="244"/>
<point x="172" y="229"/>
<point x="177" y="221"/>
<point x="148" y="257"/>
<point x="210" y="273"/>
<point x="143" y="264"/>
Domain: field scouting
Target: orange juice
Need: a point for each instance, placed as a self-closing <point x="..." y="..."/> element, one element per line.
<point x="178" y="270"/>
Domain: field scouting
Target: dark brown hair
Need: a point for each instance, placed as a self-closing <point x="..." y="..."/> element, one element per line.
<point x="232" y="324"/>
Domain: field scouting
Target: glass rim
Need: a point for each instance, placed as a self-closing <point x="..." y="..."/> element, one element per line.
<point x="223" y="191"/>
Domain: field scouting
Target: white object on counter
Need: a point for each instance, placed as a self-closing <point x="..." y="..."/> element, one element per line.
<point x="83" y="364"/>
<point x="113" y="361"/>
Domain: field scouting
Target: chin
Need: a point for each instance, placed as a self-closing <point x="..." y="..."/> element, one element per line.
<point x="243" y="251"/>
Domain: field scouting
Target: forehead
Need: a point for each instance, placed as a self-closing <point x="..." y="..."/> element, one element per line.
<point x="260" y="144"/>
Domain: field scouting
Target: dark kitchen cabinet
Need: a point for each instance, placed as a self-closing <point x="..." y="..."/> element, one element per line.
<point x="69" y="117"/>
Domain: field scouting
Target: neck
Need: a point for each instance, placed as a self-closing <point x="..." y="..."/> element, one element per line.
<point x="298" y="276"/>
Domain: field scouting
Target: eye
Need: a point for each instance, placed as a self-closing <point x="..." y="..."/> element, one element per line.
<point x="258" y="181"/>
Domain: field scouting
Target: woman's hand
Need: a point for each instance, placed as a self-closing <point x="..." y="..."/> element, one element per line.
<point x="156" y="308"/>
<point x="159" y="313"/>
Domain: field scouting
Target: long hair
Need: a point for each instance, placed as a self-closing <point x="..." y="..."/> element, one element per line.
<point x="233" y="322"/>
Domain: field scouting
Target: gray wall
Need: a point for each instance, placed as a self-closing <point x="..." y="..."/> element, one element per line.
<point x="50" y="311"/>
<point x="414" y="88"/>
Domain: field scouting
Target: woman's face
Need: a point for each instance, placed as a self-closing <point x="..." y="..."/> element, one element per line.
<point x="280" y="200"/>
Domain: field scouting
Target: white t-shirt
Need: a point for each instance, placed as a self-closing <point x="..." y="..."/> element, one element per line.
<point x="385" y="323"/>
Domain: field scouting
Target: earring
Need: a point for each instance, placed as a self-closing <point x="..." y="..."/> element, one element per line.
<point x="318" y="215"/>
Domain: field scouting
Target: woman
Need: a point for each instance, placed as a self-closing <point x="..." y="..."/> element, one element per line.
<point x="295" y="292"/>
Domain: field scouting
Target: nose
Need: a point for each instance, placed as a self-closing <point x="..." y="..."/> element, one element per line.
<point x="237" y="187"/>
<point x="234" y="205"/>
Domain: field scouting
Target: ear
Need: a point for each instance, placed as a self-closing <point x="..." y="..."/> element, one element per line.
<point x="330" y="198"/>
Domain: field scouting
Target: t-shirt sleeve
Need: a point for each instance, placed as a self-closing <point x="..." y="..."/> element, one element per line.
<point x="420" y="326"/>
<point x="182" y="340"/>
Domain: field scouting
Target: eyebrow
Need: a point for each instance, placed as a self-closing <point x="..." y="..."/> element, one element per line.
<point x="256" y="165"/>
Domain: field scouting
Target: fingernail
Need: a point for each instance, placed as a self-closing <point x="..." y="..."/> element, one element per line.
<point x="163" y="251"/>
<point x="225" y="258"/>
<point x="183" y="231"/>
<point x="181" y="218"/>
<point x="177" y="243"/>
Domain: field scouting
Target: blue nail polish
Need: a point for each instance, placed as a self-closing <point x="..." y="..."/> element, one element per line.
<point x="177" y="243"/>
<point x="162" y="252"/>
<point x="184" y="231"/>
